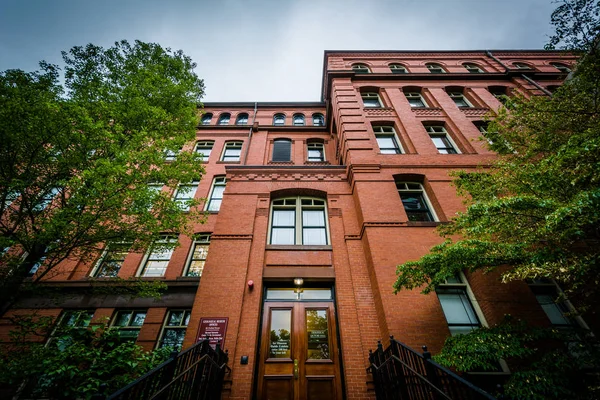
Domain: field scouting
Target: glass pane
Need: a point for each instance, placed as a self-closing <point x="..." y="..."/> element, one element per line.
<point x="215" y="205"/>
<point x="280" y="334"/>
<point x="314" y="236"/>
<point x="413" y="202"/>
<point x="389" y="151"/>
<point x="386" y="142"/>
<point x="552" y="309"/>
<point x="163" y="254"/>
<point x="155" y="268"/>
<point x="316" y="294"/>
<point x="85" y="318"/>
<point x="196" y="268"/>
<point x="313" y="218"/>
<point x="122" y="319"/>
<point x="200" y="252"/>
<point x="457" y="308"/>
<point x="317" y="334"/>
<point x="281" y="294"/>
<point x="284" y="218"/>
<point x="461" y="330"/>
<point x="129" y="334"/>
<point x="218" y="192"/>
<point x="283" y="236"/>
<point x="175" y="318"/>
<point x="138" y="318"/>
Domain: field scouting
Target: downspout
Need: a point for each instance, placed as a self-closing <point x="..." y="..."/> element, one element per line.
<point x="250" y="133"/>
<point x="490" y="55"/>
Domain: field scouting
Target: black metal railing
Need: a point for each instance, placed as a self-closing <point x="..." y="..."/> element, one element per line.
<point x="196" y="373"/>
<point x="400" y="373"/>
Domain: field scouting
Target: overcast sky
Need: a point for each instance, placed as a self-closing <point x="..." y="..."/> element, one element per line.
<point x="268" y="50"/>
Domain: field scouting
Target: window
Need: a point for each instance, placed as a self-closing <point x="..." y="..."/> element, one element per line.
<point x="457" y="306"/>
<point x="415" y="99"/>
<point x="360" y="69"/>
<point x="46" y="199"/>
<point x="387" y="140"/>
<point x="547" y="293"/>
<point x="298" y="220"/>
<point x="171" y="155"/>
<point x="11" y="196"/>
<point x="440" y="139"/>
<point x="216" y="194"/>
<point x="173" y="330"/>
<point x="204" y="148"/>
<point x="435" y="68"/>
<point x="224" y="119"/>
<point x="561" y="67"/>
<point x="398" y="69"/>
<point x="459" y="99"/>
<point x="112" y="260"/>
<point x="198" y="255"/>
<point x="282" y="150"/>
<point x="415" y="202"/>
<point x="316" y="152"/>
<point x="279" y="119"/>
<point x="519" y="65"/>
<point x="499" y="92"/>
<point x="206" y="118"/>
<point x="242" y="119"/>
<point x="318" y="120"/>
<point x="71" y="321"/>
<point x="129" y="323"/>
<point x="232" y="151"/>
<point x="298" y="120"/>
<point x="185" y="193"/>
<point x="38" y="264"/>
<point x="158" y="257"/>
<point x="371" y="100"/>
<point x="473" y="68"/>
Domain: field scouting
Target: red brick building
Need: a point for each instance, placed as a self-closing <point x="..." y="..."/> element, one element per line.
<point x="311" y="207"/>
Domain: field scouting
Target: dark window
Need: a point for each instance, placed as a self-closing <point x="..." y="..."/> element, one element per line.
<point x="242" y="119"/>
<point x="278" y="119"/>
<point x="318" y="120"/>
<point x="360" y="69"/>
<point x="206" y="118"/>
<point x="414" y="201"/>
<point x="298" y="120"/>
<point x="224" y="119"/>
<point x="282" y="150"/>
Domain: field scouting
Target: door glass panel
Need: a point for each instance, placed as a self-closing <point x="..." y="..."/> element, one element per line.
<point x="317" y="335"/>
<point x="280" y="334"/>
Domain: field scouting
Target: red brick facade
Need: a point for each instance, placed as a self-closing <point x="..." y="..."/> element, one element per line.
<point x="368" y="228"/>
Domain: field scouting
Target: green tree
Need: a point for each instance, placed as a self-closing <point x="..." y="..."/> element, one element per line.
<point x="536" y="210"/>
<point x="77" y="157"/>
<point x="75" y="363"/>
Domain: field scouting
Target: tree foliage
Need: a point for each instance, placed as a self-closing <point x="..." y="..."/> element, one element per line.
<point x="76" y="158"/>
<point x="535" y="210"/>
<point x="76" y="362"/>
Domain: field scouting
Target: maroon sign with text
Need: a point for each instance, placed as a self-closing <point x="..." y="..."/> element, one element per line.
<point x="214" y="329"/>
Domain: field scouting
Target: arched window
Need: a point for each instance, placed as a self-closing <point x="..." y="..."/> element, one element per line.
<point x="360" y="69"/>
<point x="279" y="119"/>
<point x="299" y="221"/>
<point x="282" y="150"/>
<point x="473" y="68"/>
<point x="520" y="65"/>
<point x="435" y="68"/>
<point x="318" y="119"/>
<point x="398" y="69"/>
<point x="298" y="120"/>
<point x="206" y="118"/>
<point x="561" y="67"/>
<point x="224" y="119"/>
<point x="415" y="201"/>
<point x="242" y="119"/>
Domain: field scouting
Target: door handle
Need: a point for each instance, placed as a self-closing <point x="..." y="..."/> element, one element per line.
<point x="296" y="373"/>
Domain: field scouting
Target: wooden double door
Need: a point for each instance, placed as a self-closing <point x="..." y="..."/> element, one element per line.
<point x="299" y="351"/>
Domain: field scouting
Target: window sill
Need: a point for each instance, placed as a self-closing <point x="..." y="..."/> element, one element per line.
<point x="281" y="163"/>
<point x="423" y="223"/>
<point x="317" y="163"/>
<point x="228" y="162"/>
<point x="299" y="247"/>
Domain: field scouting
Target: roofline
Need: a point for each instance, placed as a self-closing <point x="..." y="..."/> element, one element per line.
<point x="250" y="104"/>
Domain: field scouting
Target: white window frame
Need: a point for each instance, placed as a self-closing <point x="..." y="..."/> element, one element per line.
<point x="105" y="253"/>
<point x="398" y="69"/>
<point x="186" y="317"/>
<point x="360" y="68"/>
<point x="371" y="96"/>
<point x="415" y="96"/>
<point x="217" y="181"/>
<point x="203" y="145"/>
<point x="473" y="68"/>
<point x="129" y="327"/>
<point x="459" y="96"/>
<point x="185" y="192"/>
<point x="435" y="68"/>
<point x="440" y="130"/>
<point x="298" y="207"/>
<point x="161" y="256"/>
<point x="315" y="146"/>
<point x="416" y="187"/>
<point x="200" y="240"/>
<point x="232" y="145"/>
<point x="381" y="131"/>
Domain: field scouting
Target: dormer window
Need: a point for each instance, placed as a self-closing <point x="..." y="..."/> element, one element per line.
<point x="435" y="68"/>
<point x="360" y="69"/>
